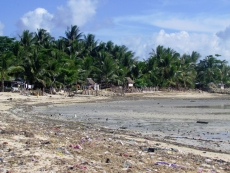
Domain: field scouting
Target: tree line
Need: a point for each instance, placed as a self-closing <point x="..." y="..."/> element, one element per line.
<point x="40" y="59"/>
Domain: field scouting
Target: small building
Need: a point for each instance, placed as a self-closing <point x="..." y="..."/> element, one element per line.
<point x="89" y="81"/>
<point x="221" y="86"/>
<point x="129" y="82"/>
<point x="90" y="84"/>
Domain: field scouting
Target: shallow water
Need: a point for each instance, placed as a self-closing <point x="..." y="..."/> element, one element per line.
<point x="163" y="117"/>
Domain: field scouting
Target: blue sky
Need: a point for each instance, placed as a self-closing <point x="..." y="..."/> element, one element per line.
<point x="183" y="25"/>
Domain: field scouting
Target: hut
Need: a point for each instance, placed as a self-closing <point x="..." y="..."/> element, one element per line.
<point x="129" y="82"/>
<point x="90" y="84"/>
<point x="221" y="86"/>
<point x="89" y="81"/>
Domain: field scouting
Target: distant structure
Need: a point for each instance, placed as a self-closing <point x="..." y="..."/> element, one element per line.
<point x="129" y="82"/>
<point x="90" y="84"/>
<point x="221" y="86"/>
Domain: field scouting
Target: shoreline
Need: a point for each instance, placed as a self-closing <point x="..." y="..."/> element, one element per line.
<point x="139" y="121"/>
<point x="23" y="103"/>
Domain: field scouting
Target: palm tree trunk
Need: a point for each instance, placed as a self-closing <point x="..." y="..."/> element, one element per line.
<point x="2" y="79"/>
<point x="43" y="89"/>
<point x="2" y="86"/>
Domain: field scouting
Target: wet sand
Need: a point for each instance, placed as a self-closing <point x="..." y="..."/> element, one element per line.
<point x="173" y="120"/>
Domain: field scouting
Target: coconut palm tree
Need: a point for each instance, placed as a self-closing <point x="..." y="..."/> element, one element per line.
<point x="42" y="38"/>
<point x="7" y="60"/>
<point x="27" y="39"/>
<point x="186" y="73"/>
<point x="108" y="70"/>
<point x="7" y="67"/>
<point x="72" y="34"/>
<point x="208" y="70"/>
<point x="163" y="64"/>
<point x="90" y="44"/>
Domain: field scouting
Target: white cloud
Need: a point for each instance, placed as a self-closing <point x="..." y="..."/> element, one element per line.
<point x="182" y="42"/>
<point x="76" y="12"/>
<point x="1" y="28"/>
<point x="33" y="20"/>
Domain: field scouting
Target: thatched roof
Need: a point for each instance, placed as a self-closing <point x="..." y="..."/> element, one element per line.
<point x="90" y="81"/>
<point x="129" y="80"/>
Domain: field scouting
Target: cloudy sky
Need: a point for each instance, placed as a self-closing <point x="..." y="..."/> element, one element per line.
<point x="183" y="25"/>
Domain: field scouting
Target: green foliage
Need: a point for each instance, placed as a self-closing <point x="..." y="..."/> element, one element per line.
<point x="40" y="59"/>
<point x="6" y="44"/>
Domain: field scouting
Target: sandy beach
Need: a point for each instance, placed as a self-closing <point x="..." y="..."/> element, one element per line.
<point x="144" y="132"/>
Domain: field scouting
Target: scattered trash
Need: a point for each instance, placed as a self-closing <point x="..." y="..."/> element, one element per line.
<point x="80" y="166"/>
<point x="126" y="155"/>
<point x="107" y="160"/>
<point x="66" y="151"/>
<point x="169" y="164"/>
<point x="200" y="170"/>
<point x="151" y="149"/>
<point x="78" y="147"/>
<point x="174" y="149"/>
<point x="123" y="127"/>
<point x="202" y="122"/>
<point x="120" y="142"/>
<point x="127" y="164"/>
<point x="208" y="160"/>
<point x="55" y="147"/>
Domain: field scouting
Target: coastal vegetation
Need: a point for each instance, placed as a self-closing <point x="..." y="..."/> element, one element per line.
<point x="40" y="59"/>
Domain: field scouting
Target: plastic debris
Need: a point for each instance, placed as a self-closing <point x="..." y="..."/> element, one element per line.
<point x="66" y="151"/>
<point x="57" y="144"/>
<point x="169" y="164"/>
<point x="151" y="149"/>
<point x="81" y="167"/>
<point x="107" y="160"/>
<point x="78" y="147"/>
<point x="127" y="164"/>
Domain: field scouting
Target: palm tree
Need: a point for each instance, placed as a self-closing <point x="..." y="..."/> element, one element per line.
<point x="163" y="62"/>
<point x="109" y="46"/>
<point x="42" y="38"/>
<point x="7" y="68"/>
<point x="36" y="66"/>
<point x="186" y="73"/>
<point x="209" y="70"/>
<point x="4" y="67"/>
<point x="90" y="44"/>
<point x="6" y="44"/>
<point x="225" y="72"/>
<point x="108" y="70"/>
<point x="72" y="34"/>
<point x="27" y="39"/>
<point x="87" y="68"/>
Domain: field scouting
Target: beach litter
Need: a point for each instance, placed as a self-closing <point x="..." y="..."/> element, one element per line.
<point x="169" y="164"/>
<point x="80" y="147"/>
<point x="202" y="122"/>
<point x="151" y="149"/>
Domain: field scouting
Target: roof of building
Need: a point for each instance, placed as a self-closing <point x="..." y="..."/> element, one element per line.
<point x="90" y="81"/>
<point x="129" y="80"/>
